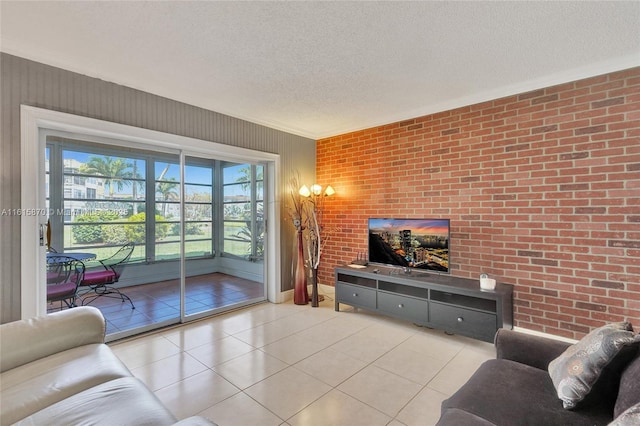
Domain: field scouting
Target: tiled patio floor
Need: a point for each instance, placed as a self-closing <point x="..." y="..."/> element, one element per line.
<point x="160" y="301"/>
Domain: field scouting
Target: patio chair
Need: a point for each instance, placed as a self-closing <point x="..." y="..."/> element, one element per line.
<point x="64" y="275"/>
<point x="100" y="279"/>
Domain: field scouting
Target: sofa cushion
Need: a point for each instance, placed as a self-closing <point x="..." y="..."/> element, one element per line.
<point x="629" y="390"/>
<point x="29" y="388"/>
<point x="578" y="368"/>
<point x="505" y="392"/>
<point x="630" y="417"/>
<point x="124" y="401"/>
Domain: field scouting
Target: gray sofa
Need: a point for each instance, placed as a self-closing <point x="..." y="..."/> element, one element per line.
<point x="516" y="389"/>
<point x="56" y="370"/>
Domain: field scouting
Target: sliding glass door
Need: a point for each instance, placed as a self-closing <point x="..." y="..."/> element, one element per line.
<point x="224" y="234"/>
<point x="200" y="232"/>
<point x="197" y="223"/>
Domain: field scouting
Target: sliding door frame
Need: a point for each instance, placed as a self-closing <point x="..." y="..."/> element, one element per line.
<point x="36" y="120"/>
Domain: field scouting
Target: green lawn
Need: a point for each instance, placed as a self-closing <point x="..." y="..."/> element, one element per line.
<point x="169" y="247"/>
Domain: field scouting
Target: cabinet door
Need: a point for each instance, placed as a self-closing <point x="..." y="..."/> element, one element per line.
<point x="479" y="325"/>
<point x="356" y="295"/>
<point x="408" y="308"/>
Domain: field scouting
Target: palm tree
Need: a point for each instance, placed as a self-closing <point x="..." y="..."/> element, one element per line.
<point x="245" y="177"/>
<point x="113" y="171"/>
<point x="167" y="191"/>
<point x="140" y="183"/>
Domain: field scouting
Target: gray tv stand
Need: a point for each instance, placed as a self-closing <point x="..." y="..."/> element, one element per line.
<point x="455" y="305"/>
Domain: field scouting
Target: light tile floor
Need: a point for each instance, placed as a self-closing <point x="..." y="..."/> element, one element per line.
<point x="285" y="364"/>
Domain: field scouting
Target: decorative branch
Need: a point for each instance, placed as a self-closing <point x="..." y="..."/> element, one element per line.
<point x="296" y="210"/>
<point x="307" y="216"/>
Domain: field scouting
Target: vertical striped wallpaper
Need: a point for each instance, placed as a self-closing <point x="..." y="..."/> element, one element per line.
<point x="30" y="83"/>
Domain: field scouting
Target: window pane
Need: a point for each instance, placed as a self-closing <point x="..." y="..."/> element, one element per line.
<point x="80" y="234"/>
<point x="197" y="248"/>
<point x="198" y="209"/>
<point x="168" y="190"/>
<point x="95" y="223"/>
<point x="167" y="250"/>
<point x="168" y="211"/>
<point x="120" y="177"/>
<point x="199" y="193"/>
<point x="198" y="231"/>
<point x="195" y="211"/>
<point x="98" y="211"/>
<point x="167" y="231"/>
<point x="237" y="173"/>
<point x="236" y="239"/>
<point x="98" y="187"/>
<point x="237" y="192"/>
<point x="260" y="182"/>
<point x="167" y="197"/>
<point x="198" y="175"/>
<point x="242" y="210"/>
<point x="237" y="211"/>
<point x="167" y="171"/>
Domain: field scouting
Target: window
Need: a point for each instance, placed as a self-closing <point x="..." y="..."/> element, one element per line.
<point x="94" y="201"/>
<point x="198" y="208"/>
<point x="165" y="224"/>
<point x="100" y="195"/>
<point x="243" y="210"/>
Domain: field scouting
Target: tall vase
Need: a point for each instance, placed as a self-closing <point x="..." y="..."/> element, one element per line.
<point x="300" y="294"/>
<point x="314" y="292"/>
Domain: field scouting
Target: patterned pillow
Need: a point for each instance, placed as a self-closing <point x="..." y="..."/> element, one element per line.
<point x="578" y="368"/>
<point x="631" y="417"/>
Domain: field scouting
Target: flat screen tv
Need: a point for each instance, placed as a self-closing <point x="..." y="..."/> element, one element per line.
<point x="420" y="244"/>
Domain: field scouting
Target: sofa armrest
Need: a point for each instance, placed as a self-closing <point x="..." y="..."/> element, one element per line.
<point x="536" y="351"/>
<point x="24" y="341"/>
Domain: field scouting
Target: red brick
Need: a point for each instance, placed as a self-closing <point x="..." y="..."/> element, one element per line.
<point x="550" y="172"/>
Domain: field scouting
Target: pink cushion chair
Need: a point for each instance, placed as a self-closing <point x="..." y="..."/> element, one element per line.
<point x="101" y="279"/>
<point x="64" y="275"/>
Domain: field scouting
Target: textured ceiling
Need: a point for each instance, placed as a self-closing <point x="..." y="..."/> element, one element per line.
<point x="320" y="69"/>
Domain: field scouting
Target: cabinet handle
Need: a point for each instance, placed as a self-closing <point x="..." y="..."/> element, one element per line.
<point x="460" y="319"/>
<point x="401" y="306"/>
<point x="355" y="294"/>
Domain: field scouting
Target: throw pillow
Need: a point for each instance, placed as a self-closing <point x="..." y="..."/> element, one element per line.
<point x="631" y="417"/>
<point x="578" y="368"/>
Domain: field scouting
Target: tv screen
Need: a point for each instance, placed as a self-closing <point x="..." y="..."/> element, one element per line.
<point x="422" y="244"/>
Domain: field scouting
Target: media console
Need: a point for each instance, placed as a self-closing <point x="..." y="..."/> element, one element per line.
<point x="455" y="305"/>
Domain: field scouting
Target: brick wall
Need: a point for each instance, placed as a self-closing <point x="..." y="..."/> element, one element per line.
<point x="542" y="189"/>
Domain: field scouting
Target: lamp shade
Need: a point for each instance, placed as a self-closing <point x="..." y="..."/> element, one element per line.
<point x="329" y="191"/>
<point x="304" y="191"/>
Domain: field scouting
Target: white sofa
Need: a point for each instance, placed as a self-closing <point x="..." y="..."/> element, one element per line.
<point x="57" y="370"/>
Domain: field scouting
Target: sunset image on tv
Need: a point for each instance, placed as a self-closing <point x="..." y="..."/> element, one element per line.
<point x="414" y="243"/>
